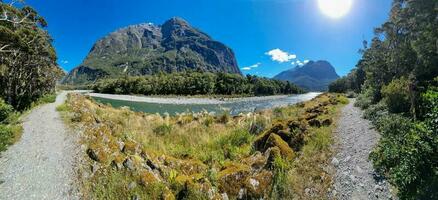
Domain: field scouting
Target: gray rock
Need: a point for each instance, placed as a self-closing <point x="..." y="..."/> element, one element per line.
<point x="335" y="162"/>
<point x="129" y="164"/>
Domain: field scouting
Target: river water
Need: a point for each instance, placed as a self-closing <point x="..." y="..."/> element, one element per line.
<point x="233" y="107"/>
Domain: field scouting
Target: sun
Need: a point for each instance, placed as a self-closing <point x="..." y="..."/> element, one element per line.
<point x="335" y="8"/>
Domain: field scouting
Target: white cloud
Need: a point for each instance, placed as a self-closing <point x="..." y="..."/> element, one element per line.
<point x="293" y="63"/>
<point x="306" y="61"/>
<point x="280" y="56"/>
<point x="255" y="65"/>
<point x="64" y="61"/>
<point x="251" y="67"/>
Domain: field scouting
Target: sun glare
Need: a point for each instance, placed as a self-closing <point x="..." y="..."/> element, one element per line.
<point x="335" y="8"/>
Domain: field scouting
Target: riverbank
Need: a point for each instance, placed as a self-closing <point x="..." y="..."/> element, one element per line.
<point x="275" y="154"/>
<point x="188" y="100"/>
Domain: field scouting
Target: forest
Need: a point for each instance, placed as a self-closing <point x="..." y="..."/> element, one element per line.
<point x="397" y="83"/>
<point x="196" y="83"/>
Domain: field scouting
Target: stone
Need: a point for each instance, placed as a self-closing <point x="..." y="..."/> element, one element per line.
<point x="129" y="164"/>
<point x="93" y="154"/>
<point x="335" y="162"/>
<point x="132" y="185"/>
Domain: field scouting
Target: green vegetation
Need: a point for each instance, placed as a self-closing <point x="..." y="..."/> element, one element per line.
<point x="397" y="79"/>
<point x="196" y="83"/>
<point x="271" y="154"/>
<point x="10" y="125"/>
<point x="28" y="70"/>
<point x="7" y="132"/>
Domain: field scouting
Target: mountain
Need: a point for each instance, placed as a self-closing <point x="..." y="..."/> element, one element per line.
<point x="313" y="76"/>
<point x="148" y="49"/>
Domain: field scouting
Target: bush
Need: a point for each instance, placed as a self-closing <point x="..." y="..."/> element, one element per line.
<point x="366" y="98"/>
<point x="6" y="137"/>
<point x="408" y="150"/>
<point x="5" y="110"/>
<point x="430" y="102"/>
<point x="49" y="98"/>
<point x="375" y="112"/>
<point x="396" y="95"/>
<point x="407" y="153"/>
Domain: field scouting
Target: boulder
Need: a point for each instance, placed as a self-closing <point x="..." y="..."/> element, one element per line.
<point x="233" y="178"/>
<point x="275" y="141"/>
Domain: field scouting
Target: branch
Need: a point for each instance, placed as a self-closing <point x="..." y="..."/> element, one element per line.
<point x="5" y="17"/>
<point x="3" y="49"/>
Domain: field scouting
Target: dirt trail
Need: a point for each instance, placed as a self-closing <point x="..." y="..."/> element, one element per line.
<point x="41" y="164"/>
<point x="355" y="177"/>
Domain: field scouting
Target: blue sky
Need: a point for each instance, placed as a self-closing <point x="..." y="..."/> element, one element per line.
<point x="250" y="27"/>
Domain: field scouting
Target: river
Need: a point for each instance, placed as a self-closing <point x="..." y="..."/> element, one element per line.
<point x="174" y="106"/>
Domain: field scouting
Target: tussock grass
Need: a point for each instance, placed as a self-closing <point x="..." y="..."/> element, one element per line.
<point x="198" y="156"/>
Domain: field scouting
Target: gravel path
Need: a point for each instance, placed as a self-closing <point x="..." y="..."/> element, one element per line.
<point x="355" y="177"/>
<point x="40" y="164"/>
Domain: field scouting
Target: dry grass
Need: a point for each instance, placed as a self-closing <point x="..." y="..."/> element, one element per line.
<point x="196" y="154"/>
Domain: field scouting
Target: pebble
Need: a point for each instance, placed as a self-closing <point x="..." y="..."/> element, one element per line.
<point x="335" y="162"/>
<point x="39" y="165"/>
<point x="354" y="176"/>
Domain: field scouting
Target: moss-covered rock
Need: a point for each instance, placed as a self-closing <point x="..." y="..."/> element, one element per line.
<point x="275" y="141"/>
<point x="233" y="178"/>
<point x="186" y="167"/>
<point x="314" y="123"/>
<point x="272" y="153"/>
<point x="297" y="125"/>
<point x="131" y="148"/>
<point x="147" y="178"/>
<point x="259" y="185"/>
<point x="257" y="161"/>
<point x="117" y="162"/>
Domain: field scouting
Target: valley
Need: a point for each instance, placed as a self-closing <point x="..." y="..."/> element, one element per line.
<point x="237" y="100"/>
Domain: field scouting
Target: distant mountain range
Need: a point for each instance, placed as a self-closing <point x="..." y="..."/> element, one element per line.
<point x="313" y="76"/>
<point x="147" y="49"/>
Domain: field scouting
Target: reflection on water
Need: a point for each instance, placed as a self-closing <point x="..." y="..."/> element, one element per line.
<point x="233" y="108"/>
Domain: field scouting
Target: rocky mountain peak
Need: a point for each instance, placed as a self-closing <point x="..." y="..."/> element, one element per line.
<point x="145" y="49"/>
<point x="314" y="76"/>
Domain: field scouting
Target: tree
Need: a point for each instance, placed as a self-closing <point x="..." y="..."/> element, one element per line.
<point x="28" y="68"/>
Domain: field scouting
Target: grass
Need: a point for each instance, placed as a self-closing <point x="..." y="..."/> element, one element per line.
<point x="11" y="128"/>
<point x="199" y="156"/>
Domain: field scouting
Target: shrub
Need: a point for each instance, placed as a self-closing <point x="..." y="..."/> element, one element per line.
<point x="407" y="153"/>
<point x="430" y="102"/>
<point x="5" y="110"/>
<point x="49" y="98"/>
<point x="374" y="112"/>
<point x="366" y="98"/>
<point x="6" y="137"/>
<point x="396" y="95"/>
